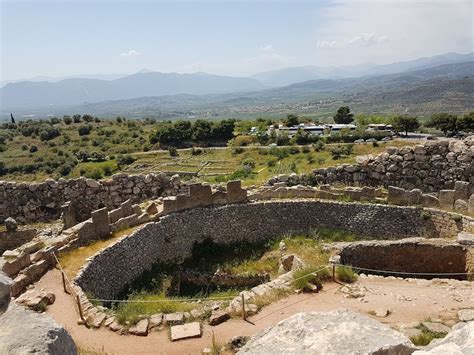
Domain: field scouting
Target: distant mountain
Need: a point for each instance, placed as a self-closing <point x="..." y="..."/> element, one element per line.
<point x="448" y="87"/>
<point x="55" y="79"/>
<point x="77" y="91"/>
<point x="288" y="76"/>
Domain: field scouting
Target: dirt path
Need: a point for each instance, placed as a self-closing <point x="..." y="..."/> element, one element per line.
<point x="408" y="301"/>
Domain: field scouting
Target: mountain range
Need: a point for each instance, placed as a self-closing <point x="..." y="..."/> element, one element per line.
<point x="422" y="84"/>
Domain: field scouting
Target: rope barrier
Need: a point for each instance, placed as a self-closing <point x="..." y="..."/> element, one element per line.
<point x="64" y="273"/>
<point x="312" y="273"/>
<point x="408" y="273"/>
<point x="164" y="300"/>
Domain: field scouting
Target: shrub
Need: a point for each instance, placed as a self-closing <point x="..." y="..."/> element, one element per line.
<point x="249" y="164"/>
<point x="271" y="162"/>
<point x="294" y="150"/>
<point x="173" y="152"/>
<point x="346" y="274"/>
<point x="33" y="148"/>
<point x="237" y="150"/>
<point x="125" y="160"/>
<point x="84" y="130"/>
<point x="318" y="146"/>
<point x="306" y="149"/>
<point x="196" y="151"/>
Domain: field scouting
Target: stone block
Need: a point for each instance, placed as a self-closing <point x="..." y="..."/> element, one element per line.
<point x="152" y="209"/>
<point x="470" y="204"/>
<point x="235" y="193"/>
<point x="219" y="198"/>
<point x="183" y="202"/>
<point x="169" y="204"/>
<point x="115" y="215"/>
<point x="186" y="331"/>
<point x="126" y="208"/>
<point x="19" y="284"/>
<point x="461" y="205"/>
<point x="218" y="317"/>
<point x="35" y="271"/>
<point x="137" y="210"/>
<point x="465" y="238"/>
<point x="201" y="195"/>
<point x="173" y="318"/>
<point x="429" y="201"/>
<point x="13" y="267"/>
<point x="68" y="214"/>
<point x="141" y="328"/>
<point x="124" y="223"/>
<point x="462" y="190"/>
<point x="446" y="199"/>
<point x="86" y="231"/>
<point x="143" y="218"/>
<point x="413" y="197"/>
<point x="155" y="320"/>
<point x="396" y="195"/>
<point x="101" y="221"/>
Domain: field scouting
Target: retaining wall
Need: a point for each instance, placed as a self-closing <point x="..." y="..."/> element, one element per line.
<point x="170" y="240"/>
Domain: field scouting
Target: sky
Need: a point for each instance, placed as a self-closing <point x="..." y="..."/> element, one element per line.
<point x="238" y="38"/>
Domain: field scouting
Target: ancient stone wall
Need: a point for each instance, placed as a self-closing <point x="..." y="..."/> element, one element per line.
<point x="13" y="239"/>
<point x="411" y="255"/>
<point x="43" y="201"/>
<point x="170" y="240"/>
<point x="431" y="166"/>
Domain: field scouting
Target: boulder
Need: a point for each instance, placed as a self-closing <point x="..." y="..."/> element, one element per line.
<point x="5" y="288"/>
<point x="155" y="320"/>
<point x="173" y="318"/>
<point x="36" y="300"/>
<point x="337" y="332"/>
<point x="466" y="315"/>
<point x="11" y="224"/>
<point x="23" y="332"/>
<point x="141" y="328"/>
<point x="459" y="341"/>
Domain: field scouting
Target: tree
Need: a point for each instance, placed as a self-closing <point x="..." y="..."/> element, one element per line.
<point x="405" y="123"/>
<point x="77" y="118"/>
<point x="466" y="122"/>
<point x="343" y="115"/>
<point x="292" y="120"/>
<point x="67" y="120"/>
<point x="201" y="130"/>
<point x="445" y="122"/>
<point x="88" y="118"/>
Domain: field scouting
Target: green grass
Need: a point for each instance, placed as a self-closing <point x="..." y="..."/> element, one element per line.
<point x="425" y="337"/>
<point x="131" y="313"/>
<point x="346" y="274"/>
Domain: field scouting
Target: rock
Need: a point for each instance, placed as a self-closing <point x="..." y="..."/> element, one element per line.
<point x="186" y="331"/>
<point x="238" y="342"/>
<point x="436" y="327"/>
<point x="382" y="312"/>
<point x="11" y="224"/>
<point x="155" y="320"/>
<point x="152" y="209"/>
<point x="36" y="300"/>
<point x="141" y="328"/>
<point x="466" y="238"/>
<point x="5" y="289"/>
<point x="198" y="313"/>
<point x="218" y="317"/>
<point x="251" y="309"/>
<point x="458" y="342"/>
<point x="466" y="315"/>
<point x="460" y="205"/>
<point x="95" y="320"/>
<point x="24" y="332"/>
<point x="337" y="332"/>
<point x="116" y="327"/>
<point x="173" y="318"/>
<point x="411" y="332"/>
<point x="92" y="183"/>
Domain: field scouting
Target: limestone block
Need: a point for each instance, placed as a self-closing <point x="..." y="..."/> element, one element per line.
<point x="115" y="215"/>
<point x="219" y="198"/>
<point x="446" y="198"/>
<point x="235" y="193"/>
<point x="12" y="267"/>
<point x="201" y="195"/>
<point x="152" y="208"/>
<point x="413" y="197"/>
<point x="169" y="204"/>
<point x="173" y="318"/>
<point x="101" y="221"/>
<point x="461" y="205"/>
<point x="183" y="202"/>
<point x="186" y="331"/>
<point x="470" y="207"/>
<point x="429" y="201"/>
<point x="462" y="190"/>
<point x="141" y="328"/>
<point x="465" y="238"/>
<point x="127" y="208"/>
<point x="396" y="195"/>
<point x="143" y="218"/>
<point x="218" y="317"/>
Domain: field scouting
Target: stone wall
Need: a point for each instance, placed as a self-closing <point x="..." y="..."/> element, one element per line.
<point x="13" y="239"/>
<point x="170" y="240"/>
<point x="411" y="255"/>
<point x="431" y="166"/>
<point x="43" y="201"/>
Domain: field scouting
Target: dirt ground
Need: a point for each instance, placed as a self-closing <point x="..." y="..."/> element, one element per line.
<point x="408" y="302"/>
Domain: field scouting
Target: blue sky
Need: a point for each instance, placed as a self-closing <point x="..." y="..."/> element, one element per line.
<point x="57" y="38"/>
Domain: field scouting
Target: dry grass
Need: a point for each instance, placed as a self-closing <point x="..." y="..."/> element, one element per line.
<point x="73" y="260"/>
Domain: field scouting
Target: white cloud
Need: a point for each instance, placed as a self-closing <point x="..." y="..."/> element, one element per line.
<point x="367" y="39"/>
<point x="130" y="53"/>
<point x="326" y="44"/>
<point x="268" y="48"/>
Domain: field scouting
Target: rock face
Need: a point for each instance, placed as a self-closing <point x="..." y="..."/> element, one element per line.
<point x="24" y="332"/>
<point x="337" y="332"/>
<point x="459" y="341"/>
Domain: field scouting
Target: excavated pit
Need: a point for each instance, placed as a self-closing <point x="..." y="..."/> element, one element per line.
<point x="414" y="257"/>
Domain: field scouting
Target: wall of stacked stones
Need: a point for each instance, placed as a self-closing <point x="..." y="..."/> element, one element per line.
<point x="32" y="202"/>
<point x="170" y="240"/>
<point x="431" y="166"/>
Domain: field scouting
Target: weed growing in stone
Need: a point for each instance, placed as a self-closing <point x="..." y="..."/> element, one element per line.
<point x="346" y="274"/>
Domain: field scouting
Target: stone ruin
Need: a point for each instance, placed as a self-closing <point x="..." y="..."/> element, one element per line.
<point x="431" y="166"/>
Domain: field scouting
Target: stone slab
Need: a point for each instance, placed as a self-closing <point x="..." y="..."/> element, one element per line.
<point x="186" y="331"/>
<point x="466" y="238"/>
